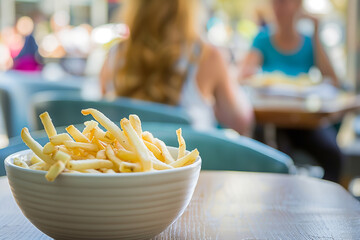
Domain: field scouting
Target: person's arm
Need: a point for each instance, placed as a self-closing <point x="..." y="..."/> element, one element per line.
<point x="250" y="64"/>
<point x="232" y="108"/>
<point x="254" y="58"/>
<point x="106" y="75"/>
<point x="322" y="61"/>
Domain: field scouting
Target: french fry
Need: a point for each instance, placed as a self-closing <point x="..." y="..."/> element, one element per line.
<point x="126" y="155"/>
<point x="136" y="124"/>
<point x="90" y="156"/>
<point x="100" y="134"/>
<point x="89" y="126"/>
<point x="90" y="135"/>
<point x="54" y="171"/>
<point x="147" y="136"/>
<point x="76" y="151"/>
<point x="48" y="125"/>
<point x="159" y="165"/>
<point x="89" y="164"/>
<point x="164" y="151"/>
<point x="165" y="154"/>
<point x="59" y="139"/>
<point x="109" y="136"/>
<point x="90" y="171"/>
<point x="76" y="134"/>
<point x="111" y="155"/>
<point x="64" y="149"/>
<point x="78" y="157"/>
<point x="187" y="159"/>
<point x="62" y="156"/>
<point x="34" y="146"/>
<point x="98" y="143"/>
<point x="118" y="146"/>
<point x="35" y="159"/>
<point x="21" y="163"/>
<point x="155" y="150"/>
<point x="38" y="166"/>
<point x="85" y="146"/>
<point x="109" y="171"/>
<point x="127" y="167"/>
<point x="95" y="151"/>
<point x="182" y="144"/>
<point x="101" y="154"/>
<point x="49" y="148"/>
<point x="109" y="125"/>
<point x="141" y="150"/>
<point x="70" y="171"/>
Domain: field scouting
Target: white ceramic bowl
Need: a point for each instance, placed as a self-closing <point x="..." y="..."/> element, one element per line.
<point x="102" y="206"/>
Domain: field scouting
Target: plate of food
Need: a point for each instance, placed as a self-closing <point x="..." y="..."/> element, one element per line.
<point x="280" y="85"/>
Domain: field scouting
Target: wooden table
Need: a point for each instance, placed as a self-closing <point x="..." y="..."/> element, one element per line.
<point x="239" y="205"/>
<point x="303" y="113"/>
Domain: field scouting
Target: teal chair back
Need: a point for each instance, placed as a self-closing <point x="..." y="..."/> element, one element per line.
<point x="217" y="150"/>
<point x="4" y="112"/>
<point x="20" y="88"/>
<point x="65" y="109"/>
<point x="222" y="152"/>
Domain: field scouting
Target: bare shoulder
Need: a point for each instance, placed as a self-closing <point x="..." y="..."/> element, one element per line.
<point x="211" y="70"/>
<point x="212" y="62"/>
<point x="211" y="55"/>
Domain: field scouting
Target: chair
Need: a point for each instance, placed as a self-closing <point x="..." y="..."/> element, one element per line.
<point x="218" y="151"/>
<point x="20" y="88"/>
<point x="221" y="152"/>
<point x="65" y="109"/>
<point x="4" y="110"/>
<point x="356" y="126"/>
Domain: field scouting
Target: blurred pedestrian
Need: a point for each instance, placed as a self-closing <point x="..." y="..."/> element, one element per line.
<point x="28" y="59"/>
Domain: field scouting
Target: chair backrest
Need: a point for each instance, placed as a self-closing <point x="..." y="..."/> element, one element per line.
<point x="4" y="112"/>
<point x="221" y="152"/>
<point x="65" y="109"/>
<point x="20" y="88"/>
<point x="218" y="151"/>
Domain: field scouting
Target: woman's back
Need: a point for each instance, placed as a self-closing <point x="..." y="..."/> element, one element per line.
<point x="199" y="109"/>
<point x="147" y="66"/>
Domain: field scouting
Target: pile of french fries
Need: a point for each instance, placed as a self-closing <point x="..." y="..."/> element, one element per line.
<point x="93" y="150"/>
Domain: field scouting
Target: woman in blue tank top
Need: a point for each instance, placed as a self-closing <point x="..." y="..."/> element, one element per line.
<point x="284" y="49"/>
<point x="292" y="63"/>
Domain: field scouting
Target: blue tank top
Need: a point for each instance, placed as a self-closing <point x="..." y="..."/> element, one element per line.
<point x="291" y="63"/>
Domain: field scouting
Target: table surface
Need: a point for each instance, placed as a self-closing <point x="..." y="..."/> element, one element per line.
<point x="304" y="113"/>
<point x="238" y="205"/>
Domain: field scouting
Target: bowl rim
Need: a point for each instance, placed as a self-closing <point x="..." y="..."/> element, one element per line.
<point x="9" y="163"/>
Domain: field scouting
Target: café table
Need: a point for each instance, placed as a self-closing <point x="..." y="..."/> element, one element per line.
<point x="303" y="113"/>
<point x="238" y="205"/>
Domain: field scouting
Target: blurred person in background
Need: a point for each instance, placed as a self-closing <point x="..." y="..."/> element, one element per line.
<point x="165" y="61"/>
<point x="6" y="61"/>
<point x="28" y="59"/>
<point x="286" y="50"/>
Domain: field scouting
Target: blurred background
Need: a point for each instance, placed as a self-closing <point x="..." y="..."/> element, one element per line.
<point x="72" y="37"/>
